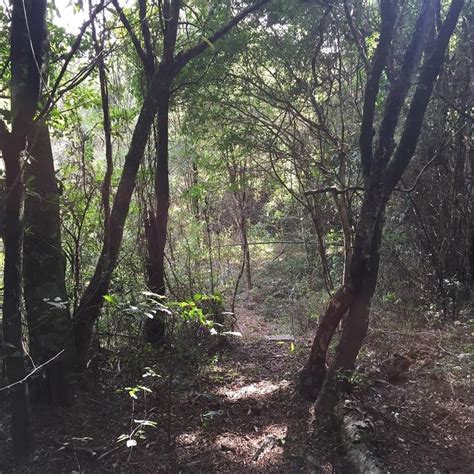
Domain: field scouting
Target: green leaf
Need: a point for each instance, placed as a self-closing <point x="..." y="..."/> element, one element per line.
<point x="110" y="299"/>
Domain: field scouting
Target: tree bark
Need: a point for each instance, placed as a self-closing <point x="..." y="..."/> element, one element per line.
<point x="27" y="40"/>
<point x="47" y="309"/>
<point x="382" y="167"/>
<point x="91" y="302"/>
<point x="22" y="435"/>
<point x="158" y="222"/>
<point x="89" y="307"/>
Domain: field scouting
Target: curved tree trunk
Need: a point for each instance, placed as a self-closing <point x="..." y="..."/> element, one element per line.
<point x="383" y="165"/>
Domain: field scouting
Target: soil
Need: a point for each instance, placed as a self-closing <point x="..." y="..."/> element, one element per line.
<point x="236" y="410"/>
<point x="424" y="416"/>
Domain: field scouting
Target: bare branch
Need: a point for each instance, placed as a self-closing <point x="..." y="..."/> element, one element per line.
<point x="36" y="369"/>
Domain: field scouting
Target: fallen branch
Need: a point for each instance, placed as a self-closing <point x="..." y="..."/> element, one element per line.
<point x="269" y="443"/>
<point x="353" y="431"/>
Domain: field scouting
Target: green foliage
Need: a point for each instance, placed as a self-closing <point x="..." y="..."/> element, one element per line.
<point x="354" y="378"/>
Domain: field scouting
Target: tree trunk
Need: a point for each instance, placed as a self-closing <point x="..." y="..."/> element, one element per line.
<point x="313" y="373"/>
<point x="89" y="307"/>
<point x="49" y="320"/>
<point x="344" y="217"/>
<point x="363" y="275"/>
<point x="205" y="212"/>
<point x="245" y="248"/>
<point x="323" y="256"/>
<point x="22" y="435"/>
<point x="27" y="40"/>
<point x="383" y="166"/>
<point x="158" y="223"/>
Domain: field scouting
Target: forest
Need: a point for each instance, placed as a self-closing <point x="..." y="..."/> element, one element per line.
<point x="236" y="236"/>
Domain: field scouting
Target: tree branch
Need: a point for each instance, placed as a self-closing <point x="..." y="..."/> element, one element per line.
<point x="184" y="57"/>
<point x="414" y="121"/>
<point x="388" y="13"/>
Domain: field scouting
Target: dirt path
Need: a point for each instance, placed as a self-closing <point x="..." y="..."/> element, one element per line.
<point x="260" y="424"/>
<point x="237" y="411"/>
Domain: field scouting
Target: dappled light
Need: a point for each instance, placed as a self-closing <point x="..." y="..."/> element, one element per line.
<point x="255" y="390"/>
<point x="236" y="236"/>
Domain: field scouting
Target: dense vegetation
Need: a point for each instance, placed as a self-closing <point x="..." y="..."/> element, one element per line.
<point x="169" y="165"/>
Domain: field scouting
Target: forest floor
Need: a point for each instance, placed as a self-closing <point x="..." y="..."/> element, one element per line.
<point x="237" y="411"/>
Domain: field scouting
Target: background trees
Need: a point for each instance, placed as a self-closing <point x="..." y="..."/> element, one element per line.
<point x="185" y="147"/>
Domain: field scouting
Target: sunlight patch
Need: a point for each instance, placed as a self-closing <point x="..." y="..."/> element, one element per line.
<point x="187" y="439"/>
<point x="253" y="390"/>
<point x="255" y="446"/>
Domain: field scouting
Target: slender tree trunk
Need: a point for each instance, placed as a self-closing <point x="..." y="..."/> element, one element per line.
<point x="323" y="256"/>
<point x="92" y="299"/>
<point x="343" y="212"/>
<point x="209" y="244"/>
<point x="469" y="147"/>
<point x="27" y="40"/>
<point x="107" y="125"/>
<point x="245" y="248"/>
<point x="195" y="197"/>
<point x="383" y="166"/>
<point x="91" y="302"/>
<point x="49" y="320"/>
<point x="158" y="223"/>
<point x="22" y="435"/>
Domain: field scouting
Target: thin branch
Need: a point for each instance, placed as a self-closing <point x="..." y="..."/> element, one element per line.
<point x="184" y="57"/>
<point x="333" y="189"/>
<point x="74" y="48"/>
<point x="36" y="369"/>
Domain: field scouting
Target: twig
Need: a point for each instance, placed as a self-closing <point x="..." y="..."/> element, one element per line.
<point x="24" y="379"/>
<point x="270" y="442"/>
<point x="111" y="451"/>
<point x="446" y="351"/>
<point x="333" y="189"/>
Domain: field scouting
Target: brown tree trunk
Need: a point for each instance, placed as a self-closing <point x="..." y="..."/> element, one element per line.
<point x="22" y="435"/>
<point x="363" y="275"/>
<point x="89" y="307"/>
<point x="157" y="225"/>
<point x="313" y="373"/>
<point x="27" y="40"/>
<point x="245" y="248"/>
<point x="207" y="220"/>
<point x="91" y="302"/>
<point x="344" y="217"/>
<point x="383" y="168"/>
<point x="316" y="219"/>
<point x="47" y="309"/>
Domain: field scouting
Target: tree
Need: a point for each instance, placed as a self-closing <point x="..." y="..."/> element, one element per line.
<point x="383" y="164"/>
<point x="46" y="301"/>
<point x="156" y="102"/>
<point x="27" y="47"/>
